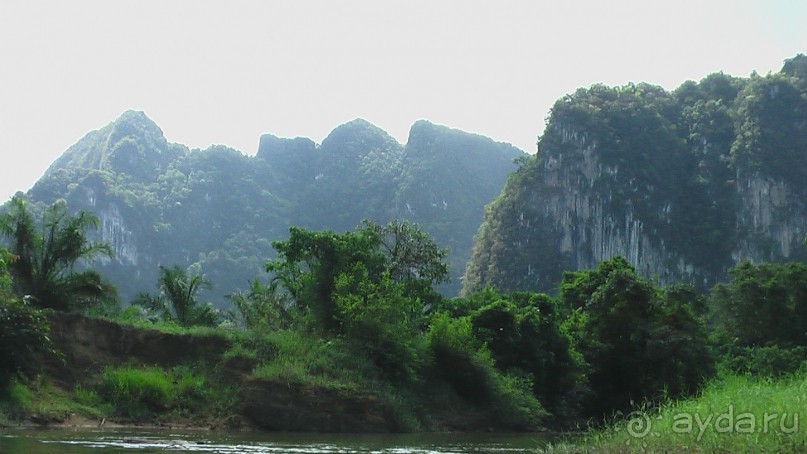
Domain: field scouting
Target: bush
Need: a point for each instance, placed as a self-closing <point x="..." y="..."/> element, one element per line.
<point x="138" y="393"/>
<point x="143" y="392"/>
<point x="15" y="398"/>
<point x="24" y="334"/>
<point x="292" y="356"/>
<point x="460" y="358"/>
<point x="464" y="362"/>
<point x="771" y="361"/>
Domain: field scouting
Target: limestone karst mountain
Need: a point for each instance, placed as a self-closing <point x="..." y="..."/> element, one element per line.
<point x="684" y="184"/>
<point x="219" y="210"/>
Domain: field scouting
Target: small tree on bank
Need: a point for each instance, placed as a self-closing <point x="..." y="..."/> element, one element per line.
<point x="43" y="269"/>
<point x="177" y="300"/>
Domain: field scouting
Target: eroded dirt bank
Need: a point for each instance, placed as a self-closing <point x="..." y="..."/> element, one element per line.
<point x="89" y="345"/>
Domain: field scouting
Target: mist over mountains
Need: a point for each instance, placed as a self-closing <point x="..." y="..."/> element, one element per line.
<point x="218" y="210"/>
<point x="682" y="183"/>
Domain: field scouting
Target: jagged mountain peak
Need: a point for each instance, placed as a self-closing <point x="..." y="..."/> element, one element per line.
<point x="135" y="123"/>
<point x="219" y="210"/>
<point x="358" y="137"/>
<point x="425" y="135"/>
<point x="273" y="148"/>
<point x="425" y="127"/>
<point x="133" y="144"/>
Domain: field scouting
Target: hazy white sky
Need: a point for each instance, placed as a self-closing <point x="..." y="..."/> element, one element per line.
<point x="224" y="72"/>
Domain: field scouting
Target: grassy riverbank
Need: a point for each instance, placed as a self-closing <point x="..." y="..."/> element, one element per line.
<point x="732" y="414"/>
<point x="118" y="374"/>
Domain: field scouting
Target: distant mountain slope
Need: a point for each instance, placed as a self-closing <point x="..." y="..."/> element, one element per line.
<point x="684" y="184"/>
<point x="160" y="203"/>
<point x="133" y="145"/>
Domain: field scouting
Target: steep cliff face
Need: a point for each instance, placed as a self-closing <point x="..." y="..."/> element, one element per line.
<point x="447" y="177"/>
<point x="773" y="218"/>
<point x="682" y="184"/>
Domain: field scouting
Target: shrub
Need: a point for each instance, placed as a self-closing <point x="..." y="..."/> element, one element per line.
<point x="15" y="398"/>
<point x="137" y="392"/>
<point x="465" y="363"/>
<point x="24" y="334"/>
<point x="292" y="356"/>
<point x="460" y="358"/>
<point x="768" y="361"/>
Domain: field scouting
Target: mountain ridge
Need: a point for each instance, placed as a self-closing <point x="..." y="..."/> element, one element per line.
<point x="218" y="210"/>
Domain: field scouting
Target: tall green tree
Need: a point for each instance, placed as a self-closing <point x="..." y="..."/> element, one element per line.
<point x="260" y="306"/>
<point x="637" y="343"/>
<point x="46" y="254"/>
<point x="177" y="300"/>
<point x="763" y="304"/>
<point x="368" y="286"/>
<point x="413" y="258"/>
<point x="522" y="330"/>
<point x="310" y="263"/>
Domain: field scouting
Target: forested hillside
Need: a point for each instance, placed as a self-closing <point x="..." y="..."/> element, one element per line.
<point x="218" y="211"/>
<point x="684" y="184"/>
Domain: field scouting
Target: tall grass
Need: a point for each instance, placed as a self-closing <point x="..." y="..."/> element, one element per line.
<point x="15" y="399"/>
<point x="296" y="358"/>
<point x="733" y="414"/>
<point x="137" y="393"/>
<point x="152" y="391"/>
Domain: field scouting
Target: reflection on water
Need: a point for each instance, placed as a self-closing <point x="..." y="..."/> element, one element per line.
<point x="111" y="441"/>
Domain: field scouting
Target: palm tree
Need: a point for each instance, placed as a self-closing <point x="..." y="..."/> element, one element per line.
<point x="44" y="258"/>
<point x="260" y="306"/>
<point x="177" y="300"/>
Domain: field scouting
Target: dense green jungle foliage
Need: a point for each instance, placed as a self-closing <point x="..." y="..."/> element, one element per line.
<point x="160" y="203"/>
<point x="684" y="184"/>
<point x="358" y="312"/>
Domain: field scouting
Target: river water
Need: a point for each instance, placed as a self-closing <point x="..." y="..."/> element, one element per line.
<point x="82" y="441"/>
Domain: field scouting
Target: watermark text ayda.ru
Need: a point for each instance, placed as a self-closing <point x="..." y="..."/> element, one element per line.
<point x="640" y="424"/>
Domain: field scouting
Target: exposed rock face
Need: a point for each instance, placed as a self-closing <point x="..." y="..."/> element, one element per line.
<point x="683" y="185"/>
<point x="773" y="218"/>
<point x="116" y="234"/>
<point x="589" y="229"/>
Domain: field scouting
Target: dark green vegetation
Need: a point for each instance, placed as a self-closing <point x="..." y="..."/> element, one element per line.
<point x="178" y="301"/>
<point x="735" y="413"/>
<point x="23" y="331"/>
<point x="45" y="254"/>
<point x="160" y="203"/>
<point x="346" y="331"/>
<point x="684" y="184"/>
<point x="350" y="334"/>
<point x="756" y="401"/>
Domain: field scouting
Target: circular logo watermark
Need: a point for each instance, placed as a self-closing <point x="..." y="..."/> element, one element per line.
<point x="639" y="424"/>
